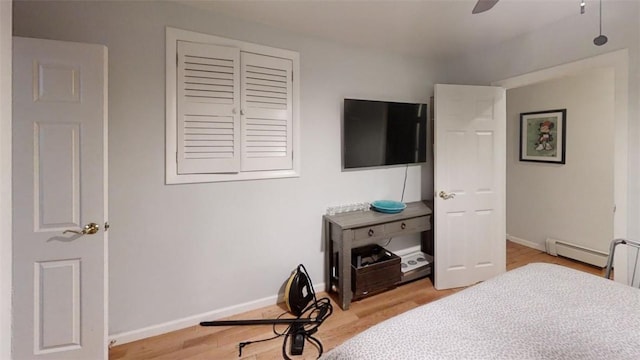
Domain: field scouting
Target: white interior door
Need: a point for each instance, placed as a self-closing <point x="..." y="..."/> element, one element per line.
<point x="59" y="184"/>
<point x="469" y="184"/>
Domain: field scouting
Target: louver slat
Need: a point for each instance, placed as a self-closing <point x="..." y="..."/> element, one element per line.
<point x="267" y="105"/>
<point x="208" y="94"/>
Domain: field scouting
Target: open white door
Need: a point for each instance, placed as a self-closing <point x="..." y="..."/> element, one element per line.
<point x="59" y="184"/>
<point x="469" y="184"/>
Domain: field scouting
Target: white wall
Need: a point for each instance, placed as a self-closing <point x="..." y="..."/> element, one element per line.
<point x="547" y="200"/>
<point x="183" y="250"/>
<point x="5" y="179"/>
<point x="565" y="42"/>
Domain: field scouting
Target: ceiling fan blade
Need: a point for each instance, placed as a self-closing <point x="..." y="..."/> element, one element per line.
<point x="483" y="5"/>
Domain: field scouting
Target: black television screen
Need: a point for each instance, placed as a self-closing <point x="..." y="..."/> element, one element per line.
<point x="381" y="133"/>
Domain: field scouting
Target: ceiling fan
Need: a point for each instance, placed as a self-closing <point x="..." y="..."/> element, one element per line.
<point x="483" y="5"/>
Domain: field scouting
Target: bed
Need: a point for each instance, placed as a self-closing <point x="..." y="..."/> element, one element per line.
<point x="538" y="311"/>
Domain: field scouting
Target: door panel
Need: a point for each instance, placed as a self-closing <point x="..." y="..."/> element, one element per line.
<point x="57" y="178"/>
<point x="59" y="185"/>
<point x="470" y="233"/>
<point x="57" y="321"/>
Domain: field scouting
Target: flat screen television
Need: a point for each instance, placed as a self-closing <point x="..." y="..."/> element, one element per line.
<point x="383" y="133"/>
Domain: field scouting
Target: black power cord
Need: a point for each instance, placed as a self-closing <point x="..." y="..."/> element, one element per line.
<point x="302" y="328"/>
<point x="404" y="186"/>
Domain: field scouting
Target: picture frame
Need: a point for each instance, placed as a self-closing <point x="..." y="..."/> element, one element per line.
<point x="543" y="136"/>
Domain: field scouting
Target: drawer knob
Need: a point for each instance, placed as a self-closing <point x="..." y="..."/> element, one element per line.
<point x="370" y="232"/>
<point x="403" y="226"/>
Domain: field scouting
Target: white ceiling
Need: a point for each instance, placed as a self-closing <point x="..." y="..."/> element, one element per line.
<point x="428" y="28"/>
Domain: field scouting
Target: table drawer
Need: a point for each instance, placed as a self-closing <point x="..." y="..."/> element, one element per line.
<point x="368" y="232"/>
<point x="408" y="225"/>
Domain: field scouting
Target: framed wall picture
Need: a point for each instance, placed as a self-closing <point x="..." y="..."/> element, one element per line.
<point x="543" y="135"/>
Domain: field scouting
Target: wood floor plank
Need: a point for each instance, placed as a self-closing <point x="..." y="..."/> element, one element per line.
<point x="199" y="342"/>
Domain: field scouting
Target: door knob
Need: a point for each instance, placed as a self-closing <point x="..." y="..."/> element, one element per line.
<point x="446" y="196"/>
<point x="89" y="229"/>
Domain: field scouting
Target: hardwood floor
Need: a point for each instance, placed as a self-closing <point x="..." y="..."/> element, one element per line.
<point x="222" y="342"/>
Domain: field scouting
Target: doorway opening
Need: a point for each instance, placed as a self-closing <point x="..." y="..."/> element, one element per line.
<point x="615" y="63"/>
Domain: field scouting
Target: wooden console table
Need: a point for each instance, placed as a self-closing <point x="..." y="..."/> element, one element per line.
<point x="345" y="231"/>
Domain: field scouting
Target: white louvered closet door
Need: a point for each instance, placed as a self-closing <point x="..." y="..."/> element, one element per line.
<point x="207" y="102"/>
<point x="267" y="113"/>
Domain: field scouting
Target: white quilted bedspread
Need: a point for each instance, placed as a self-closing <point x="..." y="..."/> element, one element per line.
<point x="539" y="311"/>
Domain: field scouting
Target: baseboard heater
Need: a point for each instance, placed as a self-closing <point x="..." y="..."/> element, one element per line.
<point x="577" y="252"/>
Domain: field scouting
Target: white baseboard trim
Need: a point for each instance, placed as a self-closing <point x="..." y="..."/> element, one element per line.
<point x="527" y="243"/>
<point x="159" y="329"/>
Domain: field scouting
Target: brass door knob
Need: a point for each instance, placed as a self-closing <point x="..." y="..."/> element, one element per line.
<point x="446" y="196"/>
<point x="89" y="229"/>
